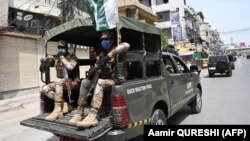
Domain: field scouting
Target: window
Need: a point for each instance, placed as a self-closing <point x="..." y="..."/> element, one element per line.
<point x="215" y="59"/>
<point x="47" y="1"/>
<point x="164" y="15"/>
<point x="132" y="70"/>
<point x="153" y="68"/>
<point x="169" y="64"/>
<point x="130" y="12"/>
<point x="145" y="2"/>
<point x="180" y="65"/>
<point x="158" y="2"/>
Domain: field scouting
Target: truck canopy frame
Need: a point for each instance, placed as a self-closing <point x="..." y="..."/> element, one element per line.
<point x="81" y="31"/>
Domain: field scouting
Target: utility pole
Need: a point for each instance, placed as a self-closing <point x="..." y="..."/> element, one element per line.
<point x="231" y="39"/>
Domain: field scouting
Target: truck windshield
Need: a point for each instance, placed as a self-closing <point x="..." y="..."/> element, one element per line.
<point x="215" y="59"/>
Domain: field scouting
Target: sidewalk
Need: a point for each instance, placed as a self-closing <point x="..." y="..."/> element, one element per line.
<point x="18" y="101"/>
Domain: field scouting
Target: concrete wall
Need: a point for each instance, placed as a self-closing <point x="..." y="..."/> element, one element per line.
<point x="45" y="8"/>
<point x="19" y="63"/>
<point x="4" y="13"/>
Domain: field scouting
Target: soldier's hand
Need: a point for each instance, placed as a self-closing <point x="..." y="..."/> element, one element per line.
<point x="43" y="59"/>
<point x="59" y="54"/>
<point x="104" y="60"/>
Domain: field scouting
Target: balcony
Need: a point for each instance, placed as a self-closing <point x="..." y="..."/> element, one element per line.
<point x="141" y="12"/>
<point x="129" y="3"/>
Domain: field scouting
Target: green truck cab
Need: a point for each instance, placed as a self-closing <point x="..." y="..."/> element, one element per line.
<point x="153" y="85"/>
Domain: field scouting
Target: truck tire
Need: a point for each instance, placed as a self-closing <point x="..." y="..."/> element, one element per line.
<point x="158" y="117"/>
<point x="196" y="104"/>
<point x="210" y="74"/>
<point x="229" y="74"/>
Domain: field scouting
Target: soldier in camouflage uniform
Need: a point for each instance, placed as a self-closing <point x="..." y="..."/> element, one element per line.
<point x="63" y="60"/>
<point x="107" y="79"/>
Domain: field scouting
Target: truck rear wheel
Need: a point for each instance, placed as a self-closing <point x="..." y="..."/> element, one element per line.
<point x="196" y="104"/>
<point x="158" y="117"/>
<point x="210" y="74"/>
<point x="229" y="73"/>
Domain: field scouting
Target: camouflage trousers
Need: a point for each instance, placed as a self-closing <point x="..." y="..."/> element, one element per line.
<point x="98" y="92"/>
<point x="54" y="90"/>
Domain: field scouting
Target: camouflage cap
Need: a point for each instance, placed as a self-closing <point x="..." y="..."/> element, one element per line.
<point x="107" y="34"/>
<point x="62" y="43"/>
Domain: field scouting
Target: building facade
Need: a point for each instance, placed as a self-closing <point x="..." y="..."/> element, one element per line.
<point x="22" y="25"/>
<point x="175" y="20"/>
<point x="210" y="37"/>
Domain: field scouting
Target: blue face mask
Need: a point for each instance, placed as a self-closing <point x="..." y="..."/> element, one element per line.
<point x="62" y="50"/>
<point x="105" y="44"/>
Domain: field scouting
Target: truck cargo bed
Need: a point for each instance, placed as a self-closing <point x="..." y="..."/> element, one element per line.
<point x="62" y="127"/>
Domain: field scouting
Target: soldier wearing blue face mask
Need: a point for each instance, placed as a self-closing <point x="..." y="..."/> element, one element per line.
<point x="106" y="64"/>
<point x="67" y="77"/>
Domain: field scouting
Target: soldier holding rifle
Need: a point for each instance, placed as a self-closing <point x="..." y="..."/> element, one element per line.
<point x="104" y="75"/>
<point x="67" y="78"/>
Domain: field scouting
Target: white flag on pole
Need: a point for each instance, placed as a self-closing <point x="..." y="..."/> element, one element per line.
<point x="103" y="12"/>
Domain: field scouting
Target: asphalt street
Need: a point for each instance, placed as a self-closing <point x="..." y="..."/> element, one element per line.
<point x="225" y="101"/>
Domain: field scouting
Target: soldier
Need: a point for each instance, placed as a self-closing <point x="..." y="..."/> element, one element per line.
<point x="67" y="77"/>
<point x="106" y="63"/>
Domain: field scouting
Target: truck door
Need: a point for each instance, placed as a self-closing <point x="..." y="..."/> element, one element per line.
<point x="174" y="82"/>
<point x="181" y="83"/>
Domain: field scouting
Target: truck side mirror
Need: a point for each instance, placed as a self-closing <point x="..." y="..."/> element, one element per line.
<point x="194" y="68"/>
<point x="234" y="59"/>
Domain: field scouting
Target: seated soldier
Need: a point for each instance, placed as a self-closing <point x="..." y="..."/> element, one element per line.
<point x="105" y="65"/>
<point x="66" y="64"/>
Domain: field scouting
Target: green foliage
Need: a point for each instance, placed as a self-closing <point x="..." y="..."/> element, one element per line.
<point x="164" y="40"/>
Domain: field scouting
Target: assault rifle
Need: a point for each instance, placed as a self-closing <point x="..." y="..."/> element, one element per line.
<point x="95" y="73"/>
<point x="67" y="82"/>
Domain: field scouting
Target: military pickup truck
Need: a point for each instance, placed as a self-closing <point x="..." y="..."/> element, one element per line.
<point x="153" y="85"/>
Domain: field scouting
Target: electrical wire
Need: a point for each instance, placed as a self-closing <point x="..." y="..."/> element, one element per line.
<point x="16" y="8"/>
<point x="235" y="31"/>
<point x="55" y="1"/>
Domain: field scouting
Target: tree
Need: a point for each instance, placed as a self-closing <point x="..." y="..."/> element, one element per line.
<point x="164" y="40"/>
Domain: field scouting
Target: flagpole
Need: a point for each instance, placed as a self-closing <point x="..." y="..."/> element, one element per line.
<point x="118" y="33"/>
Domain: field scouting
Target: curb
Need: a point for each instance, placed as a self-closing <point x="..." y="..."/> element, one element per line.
<point x="18" y="106"/>
<point x="17" y="102"/>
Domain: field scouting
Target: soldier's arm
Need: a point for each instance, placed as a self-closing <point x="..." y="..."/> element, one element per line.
<point x="51" y="56"/>
<point x="122" y="47"/>
<point x="48" y="57"/>
<point x="71" y="64"/>
<point x="97" y="62"/>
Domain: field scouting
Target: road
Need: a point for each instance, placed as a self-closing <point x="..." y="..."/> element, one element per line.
<point x="11" y="130"/>
<point x="225" y="101"/>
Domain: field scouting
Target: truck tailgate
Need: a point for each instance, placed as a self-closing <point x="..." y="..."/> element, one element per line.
<point x="61" y="127"/>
